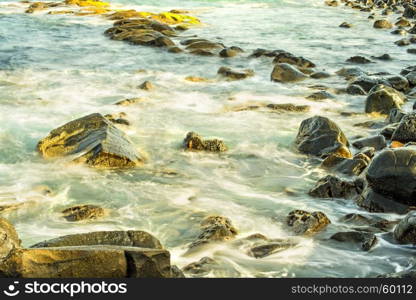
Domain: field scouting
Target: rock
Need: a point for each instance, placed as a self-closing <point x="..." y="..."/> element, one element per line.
<point x="345" y="25"/>
<point x="320" y="136"/>
<point x="118" y="119"/>
<point x="409" y="11"/>
<point x="288" y="58"/>
<point x="366" y="240"/>
<point x="407" y="70"/>
<point x="332" y="3"/>
<point x="91" y="139"/>
<point x="375" y="202"/>
<point x="373" y="221"/>
<point x="284" y="72"/>
<point x="320" y="75"/>
<point x="392" y="174"/>
<point x="378" y="142"/>
<point x="83" y="212"/>
<point x="411" y="78"/>
<point x="129" y="238"/>
<point x="382" y="24"/>
<point x="398" y="82"/>
<point x="334" y="187"/>
<point x="147" y="86"/>
<point x="130" y="101"/>
<point x="351" y="72"/>
<point x="405" y="231"/>
<point x="149" y="263"/>
<point x="306" y="223"/>
<point x="346" y="166"/>
<point x="215" y="229"/>
<point x="411" y="50"/>
<point x="383" y="57"/>
<point x="382" y="99"/>
<point x="402" y="42"/>
<point x="9" y="240"/>
<point x="395" y="116"/>
<point x="402" y="22"/>
<point x="193" y="141"/>
<point x="367" y="82"/>
<point x="388" y="131"/>
<point x="354" y="89"/>
<point x="406" y="131"/>
<point x="230" y="52"/>
<point x="201" y="267"/>
<point x="275" y="246"/>
<point x="321" y="95"/>
<point x="399" y="32"/>
<point x="235" y="75"/>
<point x="358" y="60"/>
<point x="403" y="274"/>
<point x="289" y="107"/>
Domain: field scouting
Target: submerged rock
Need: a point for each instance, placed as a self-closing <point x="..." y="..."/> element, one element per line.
<point x="83" y="212"/>
<point x="366" y="240"/>
<point x="321" y="95"/>
<point x="382" y="99"/>
<point x="93" y="140"/>
<point x="289" y="107"/>
<point x="306" y="223"/>
<point x="214" y="229"/>
<point x="354" y="89"/>
<point x="320" y="136"/>
<point x="358" y="60"/>
<point x="271" y="247"/>
<point x="373" y="222"/>
<point x="289" y="58"/>
<point x="147" y="86"/>
<point x="235" y="75"/>
<point x="405" y="231"/>
<point x="201" y="267"/>
<point x="334" y="187"/>
<point x="193" y="141"/>
<point x="284" y="72"/>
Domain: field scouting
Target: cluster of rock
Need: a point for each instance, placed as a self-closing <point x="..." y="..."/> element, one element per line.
<point x="104" y="254"/>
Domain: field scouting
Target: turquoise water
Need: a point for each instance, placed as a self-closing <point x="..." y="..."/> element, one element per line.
<point x="55" y="68"/>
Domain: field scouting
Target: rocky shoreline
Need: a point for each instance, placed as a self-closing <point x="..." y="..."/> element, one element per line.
<point x="377" y="172"/>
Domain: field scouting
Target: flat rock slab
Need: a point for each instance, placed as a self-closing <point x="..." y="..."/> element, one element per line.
<point x="93" y="140"/>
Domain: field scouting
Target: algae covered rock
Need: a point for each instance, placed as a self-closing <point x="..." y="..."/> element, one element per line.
<point x="93" y="140"/>
<point x="215" y="229"/>
<point x="195" y="142"/>
<point x="305" y="223"/>
<point x="83" y="212"/>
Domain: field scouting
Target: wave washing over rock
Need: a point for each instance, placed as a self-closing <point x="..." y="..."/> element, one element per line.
<point x="207" y="138"/>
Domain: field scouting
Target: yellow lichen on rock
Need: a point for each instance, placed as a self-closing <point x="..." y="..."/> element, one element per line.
<point x="164" y="17"/>
<point x="84" y="3"/>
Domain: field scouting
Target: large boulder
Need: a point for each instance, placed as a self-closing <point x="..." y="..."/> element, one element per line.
<point x="406" y="131"/>
<point x="108" y="254"/>
<point x="284" y="72"/>
<point x="321" y="137"/>
<point x="92" y="139"/>
<point x="131" y="238"/>
<point x="405" y="231"/>
<point x="391" y="180"/>
<point x="382" y="99"/>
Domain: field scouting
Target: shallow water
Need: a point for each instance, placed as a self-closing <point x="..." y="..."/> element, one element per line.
<point x="56" y="68"/>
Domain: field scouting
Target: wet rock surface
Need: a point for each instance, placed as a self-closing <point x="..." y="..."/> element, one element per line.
<point x="305" y="223"/>
<point x="92" y="140"/>
<point x="405" y="231"/>
<point x="320" y="136"/>
<point x="83" y="212"/>
<point x="195" y="142"/>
